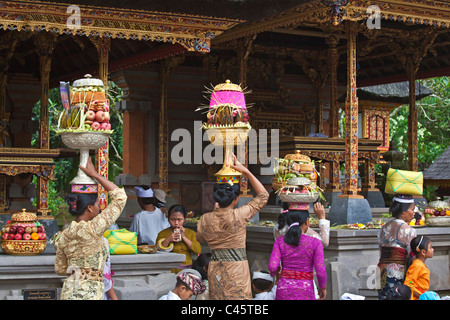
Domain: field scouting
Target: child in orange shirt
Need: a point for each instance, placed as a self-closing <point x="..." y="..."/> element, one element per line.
<point x="418" y="275"/>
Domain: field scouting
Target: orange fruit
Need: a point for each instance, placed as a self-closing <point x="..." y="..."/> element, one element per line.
<point x="34" y="236"/>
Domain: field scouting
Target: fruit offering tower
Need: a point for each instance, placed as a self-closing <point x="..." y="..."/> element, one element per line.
<point x="227" y="125"/>
<point x="84" y="124"/>
<point x="88" y="107"/>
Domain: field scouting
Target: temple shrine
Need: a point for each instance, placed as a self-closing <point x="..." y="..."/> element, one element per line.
<point x="307" y="65"/>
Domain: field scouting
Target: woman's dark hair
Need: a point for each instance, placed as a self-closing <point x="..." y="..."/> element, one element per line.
<point x="397" y="208"/>
<point x="262" y="284"/>
<point x="78" y="202"/>
<point x="224" y="194"/>
<point x="148" y="200"/>
<point x="202" y="263"/>
<point x="177" y="208"/>
<point x="292" y="236"/>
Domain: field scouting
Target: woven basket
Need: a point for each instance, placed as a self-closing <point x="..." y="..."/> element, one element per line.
<point x="438" y="221"/>
<point x="299" y="197"/>
<point x="277" y="185"/>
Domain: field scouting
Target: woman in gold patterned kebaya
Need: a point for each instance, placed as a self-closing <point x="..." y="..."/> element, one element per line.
<point x="224" y="229"/>
<point x="80" y="249"/>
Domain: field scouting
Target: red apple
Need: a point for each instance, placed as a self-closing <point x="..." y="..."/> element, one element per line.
<point x="5" y="236"/>
<point x="11" y="236"/>
<point x="41" y="229"/>
<point x="90" y="115"/>
<point x="42" y="236"/>
<point x="13" y="229"/>
<point x="18" y="236"/>
<point x="103" y="125"/>
<point x="95" y="125"/>
<point x="107" y="116"/>
<point x="100" y="116"/>
<point x="26" y="236"/>
<point x="20" y="230"/>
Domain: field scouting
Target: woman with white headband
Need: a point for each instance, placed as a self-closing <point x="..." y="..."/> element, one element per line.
<point x="300" y="255"/>
<point x="394" y="241"/>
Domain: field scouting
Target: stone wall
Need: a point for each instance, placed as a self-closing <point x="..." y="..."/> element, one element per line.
<point x="136" y="277"/>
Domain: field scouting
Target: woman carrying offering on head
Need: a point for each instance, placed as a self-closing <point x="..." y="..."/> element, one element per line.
<point x="80" y="249"/>
<point x="394" y="241"/>
<point x="224" y="229"/>
<point x="299" y="255"/>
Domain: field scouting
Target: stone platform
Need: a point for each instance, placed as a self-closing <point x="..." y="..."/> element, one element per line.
<point x="136" y="277"/>
<point x="352" y="256"/>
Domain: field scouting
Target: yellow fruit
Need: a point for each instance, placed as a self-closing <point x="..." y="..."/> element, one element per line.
<point x="447" y="212"/>
<point x="421" y="222"/>
<point x="413" y="222"/>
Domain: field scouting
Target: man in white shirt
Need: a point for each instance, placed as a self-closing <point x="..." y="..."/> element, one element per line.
<point x="151" y="220"/>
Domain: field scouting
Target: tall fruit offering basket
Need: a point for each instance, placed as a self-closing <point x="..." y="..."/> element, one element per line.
<point x="227" y="125"/>
<point x="84" y="124"/>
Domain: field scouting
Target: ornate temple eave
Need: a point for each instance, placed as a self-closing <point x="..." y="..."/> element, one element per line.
<point x="193" y="32"/>
<point x="431" y="13"/>
<point x="306" y="13"/>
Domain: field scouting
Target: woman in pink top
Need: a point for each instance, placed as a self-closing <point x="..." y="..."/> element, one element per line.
<point x="299" y="255"/>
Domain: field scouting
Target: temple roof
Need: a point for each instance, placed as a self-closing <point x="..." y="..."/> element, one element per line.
<point x="438" y="170"/>
<point x="248" y="10"/>
<point x="281" y="30"/>
<point x="392" y="92"/>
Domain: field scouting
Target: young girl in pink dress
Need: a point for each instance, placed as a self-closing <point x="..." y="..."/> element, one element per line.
<point x="299" y="255"/>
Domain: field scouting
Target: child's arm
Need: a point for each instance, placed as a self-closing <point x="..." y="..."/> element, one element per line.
<point x="112" y="294"/>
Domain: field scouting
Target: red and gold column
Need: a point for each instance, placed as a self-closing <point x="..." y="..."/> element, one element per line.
<point x="350" y="189"/>
<point x="103" y="46"/>
<point x="44" y="47"/>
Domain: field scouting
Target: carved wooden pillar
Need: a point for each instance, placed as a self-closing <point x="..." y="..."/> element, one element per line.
<point x="4" y="118"/>
<point x="103" y="46"/>
<point x="164" y="130"/>
<point x="350" y="189"/>
<point x="411" y="53"/>
<point x="243" y="51"/>
<point x="166" y="66"/>
<point x="44" y="46"/>
<point x="334" y="105"/>
<point x="413" y="140"/>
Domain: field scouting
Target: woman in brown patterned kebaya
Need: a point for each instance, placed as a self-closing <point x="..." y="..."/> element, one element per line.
<point x="80" y="249"/>
<point x="224" y="229"/>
